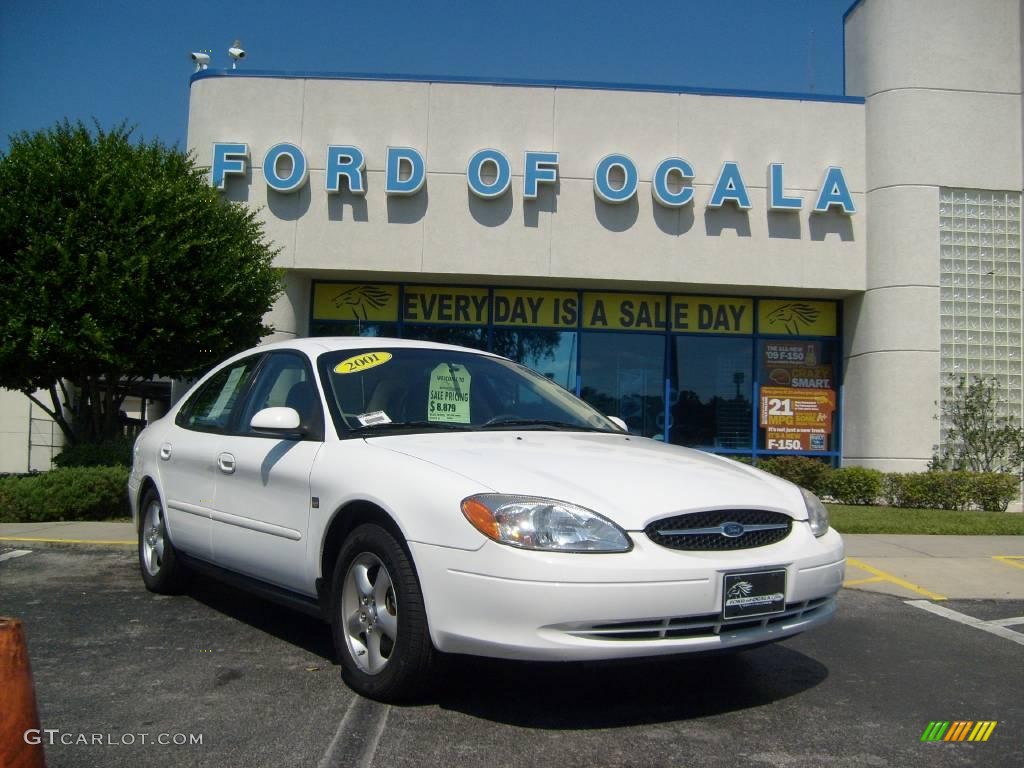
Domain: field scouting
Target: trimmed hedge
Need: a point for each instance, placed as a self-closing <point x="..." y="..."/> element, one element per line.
<point x="988" y="491"/>
<point x="807" y="473"/>
<point x="854" y="485"/>
<point x="929" y="490"/>
<point x="70" y="493"/>
<point x="993" y="491"/>
<point x="107" y="454"/>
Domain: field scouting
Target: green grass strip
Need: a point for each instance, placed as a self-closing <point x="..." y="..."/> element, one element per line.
<point x="943" y="522"/>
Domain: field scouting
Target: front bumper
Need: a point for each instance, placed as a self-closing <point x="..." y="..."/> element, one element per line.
<point x="509" y="603"/>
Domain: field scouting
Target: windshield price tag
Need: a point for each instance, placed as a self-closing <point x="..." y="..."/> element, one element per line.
<point x="448" y="397"/>
<point x="373" y="418"/>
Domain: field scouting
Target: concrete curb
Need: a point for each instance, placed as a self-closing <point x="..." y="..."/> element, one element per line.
<point x="69" y="533"/>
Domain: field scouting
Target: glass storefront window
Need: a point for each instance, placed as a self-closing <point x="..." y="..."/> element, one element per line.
<point x="552" y="353"/>
<point x="474" y="337"/>
<point x="743" y="375"/>
<point x="798" y="395"/>
<point x="623" y="375"/>
<point x="356" y="328"/>
<point x="710" y="405"/>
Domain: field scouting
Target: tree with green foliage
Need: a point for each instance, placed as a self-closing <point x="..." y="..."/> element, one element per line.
<point x="979" y="438"/>
<point x="119" y="263"/>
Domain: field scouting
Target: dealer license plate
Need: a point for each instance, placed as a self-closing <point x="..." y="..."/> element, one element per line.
<point x="753" y="594"/>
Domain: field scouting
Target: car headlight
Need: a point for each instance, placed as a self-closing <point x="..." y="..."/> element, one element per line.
<point x="817" y="515"/>
<point x="530" y="522"/>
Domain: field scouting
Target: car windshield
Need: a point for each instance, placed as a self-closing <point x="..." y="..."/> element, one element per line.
<point x="382" y="390"/>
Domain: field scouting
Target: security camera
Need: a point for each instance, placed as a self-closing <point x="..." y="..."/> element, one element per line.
<point x="236" y="52"/>
<point x="202" y="60"/>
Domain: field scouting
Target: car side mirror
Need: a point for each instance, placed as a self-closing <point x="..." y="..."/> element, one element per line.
<point x="278" y="422"/>
<point x="619" y="423"/>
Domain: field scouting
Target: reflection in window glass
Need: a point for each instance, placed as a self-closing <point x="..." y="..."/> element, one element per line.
<point x="623" y="375"/>
<point x="474" y="337"/>
<point x="210" y="409"/>
<point x="352" y="328"/>
<point x="284" y="381"/>
<point x="424" y="389"/>
<point x="551" y="353"/>
<point x="711" y="387"/>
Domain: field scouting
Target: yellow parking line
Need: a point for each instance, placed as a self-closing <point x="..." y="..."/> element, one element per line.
<point x="1010" y="560"/>
<point x="894" y="579"/>
<point x="67" y="541"/>
<point x="857" y="582"/>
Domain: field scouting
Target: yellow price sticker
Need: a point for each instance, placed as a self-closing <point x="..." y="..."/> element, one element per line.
<point x="362" y="362"/>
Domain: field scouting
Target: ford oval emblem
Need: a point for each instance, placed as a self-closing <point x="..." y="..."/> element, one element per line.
<point x="732" y="530"/>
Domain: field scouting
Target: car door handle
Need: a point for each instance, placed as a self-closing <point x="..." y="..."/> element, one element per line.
<point x="226" y="462"/>
<point x="165" y="451"/>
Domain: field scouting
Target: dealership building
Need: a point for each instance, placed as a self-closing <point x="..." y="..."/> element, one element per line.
<point x="749" y="273"/>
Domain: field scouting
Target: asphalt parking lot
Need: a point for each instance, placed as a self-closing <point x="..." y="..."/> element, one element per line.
<point x="257" y="684"/>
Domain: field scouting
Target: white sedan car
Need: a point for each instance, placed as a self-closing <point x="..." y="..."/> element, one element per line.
<point x="423" y="498"/>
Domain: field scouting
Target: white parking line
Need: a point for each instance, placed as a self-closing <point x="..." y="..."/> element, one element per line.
<point x="1008" y="622"/>
<point x="993" y="627"/>
<point x="355" y="742"/>
<point x="14" y="553"/>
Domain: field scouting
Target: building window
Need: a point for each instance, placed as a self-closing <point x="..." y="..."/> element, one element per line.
<point x="623" y="375"/>
<point x="799" y="395"/>
<point x="460" y="335"/>
<point x="709" y="396"/>
<point x="352" y="328"/>
<point x="729" y="374"/>
<point x="551" y="353"/>
<point x="980" y="306"/>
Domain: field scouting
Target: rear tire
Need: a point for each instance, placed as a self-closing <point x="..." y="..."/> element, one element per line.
<point x="162" y="571"/>
<point x="378" y="619"/>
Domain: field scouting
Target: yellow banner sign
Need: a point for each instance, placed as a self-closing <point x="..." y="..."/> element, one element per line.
<point x="712" y="314"/>
<point x="355" y="301"/>
<point x="797" y="317"/>
<point x="563" y="309"/>
<point x="451" y="306"/>
<point x="559" y="309"/>
<point x="625" y="311"/>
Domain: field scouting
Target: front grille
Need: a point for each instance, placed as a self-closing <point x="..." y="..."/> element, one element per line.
<point x="698" y="626"/>
<point x="700" y="531"/>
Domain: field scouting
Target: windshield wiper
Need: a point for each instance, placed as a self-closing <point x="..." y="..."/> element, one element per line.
<point x="540" y="424"/>
<point x="383" y="427"/>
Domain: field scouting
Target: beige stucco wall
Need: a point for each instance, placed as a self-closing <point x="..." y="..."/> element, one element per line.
<point x="942" y="81"/>
<point x="21" y="422"/>
<point x="567" y="235"/>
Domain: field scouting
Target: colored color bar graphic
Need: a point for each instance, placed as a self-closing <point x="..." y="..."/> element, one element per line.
<point x="935" y="731"/>
<point x="982" y="730"/>
<point x="959" y="730"/>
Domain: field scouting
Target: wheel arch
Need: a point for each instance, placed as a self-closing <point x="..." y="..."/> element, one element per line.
<point x="147" y="484"/>
<point x="346" y="519"/>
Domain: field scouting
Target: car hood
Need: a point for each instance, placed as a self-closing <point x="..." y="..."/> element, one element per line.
<point x="630" y="480"/>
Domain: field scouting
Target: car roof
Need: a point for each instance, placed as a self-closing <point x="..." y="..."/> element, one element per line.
<point x="316" y="345"/>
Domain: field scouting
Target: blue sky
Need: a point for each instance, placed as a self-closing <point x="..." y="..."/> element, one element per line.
<point x="128" y="59"/>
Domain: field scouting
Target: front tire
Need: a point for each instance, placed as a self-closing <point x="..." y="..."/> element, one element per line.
<point x="378" y="619"/>
<point x="162" y="571"/>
